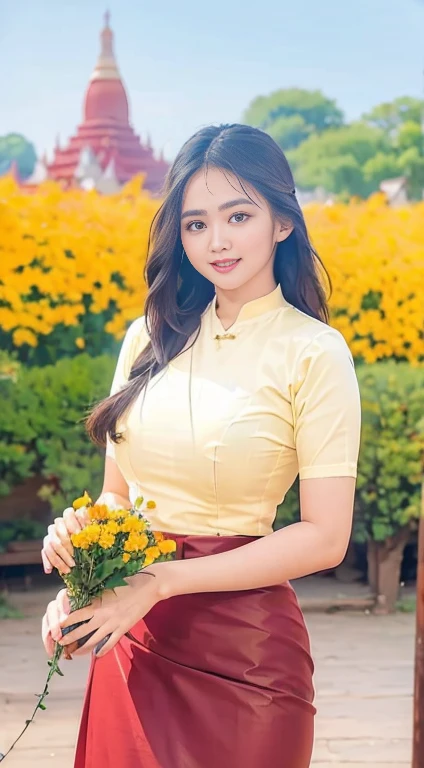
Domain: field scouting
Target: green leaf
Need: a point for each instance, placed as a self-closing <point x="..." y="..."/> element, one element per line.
<point x="116" y="580"/>
<point x="105" y="569"/>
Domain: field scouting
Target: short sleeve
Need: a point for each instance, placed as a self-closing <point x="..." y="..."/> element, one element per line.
<point x="135" y="339"/>
<point x="327" y="410"/>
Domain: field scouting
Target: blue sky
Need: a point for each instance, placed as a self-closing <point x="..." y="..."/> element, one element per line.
<point x="186" y="64"/>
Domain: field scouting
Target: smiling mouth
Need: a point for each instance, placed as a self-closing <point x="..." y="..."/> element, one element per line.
<point x="225" y="263"/>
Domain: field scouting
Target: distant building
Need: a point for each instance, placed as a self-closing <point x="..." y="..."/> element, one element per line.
<point x="105" y="152"/>
<point x="395" y="190"/>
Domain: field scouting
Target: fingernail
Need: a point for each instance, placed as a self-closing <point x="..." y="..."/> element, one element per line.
<point x="100" y="645"/>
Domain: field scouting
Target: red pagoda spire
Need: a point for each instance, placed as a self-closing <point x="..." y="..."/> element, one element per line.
<point x="106" y="129"/>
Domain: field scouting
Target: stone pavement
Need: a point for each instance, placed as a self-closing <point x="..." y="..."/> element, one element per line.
<point x="363" y="681"/>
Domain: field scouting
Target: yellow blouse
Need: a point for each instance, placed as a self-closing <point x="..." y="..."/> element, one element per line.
<point x="219" y="436"/>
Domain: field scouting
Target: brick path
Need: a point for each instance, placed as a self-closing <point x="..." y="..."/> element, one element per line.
<point x="363" y="681"/>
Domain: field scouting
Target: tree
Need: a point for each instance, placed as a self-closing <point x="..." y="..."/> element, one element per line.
<point x="390" y="116"/>
<point x="380" y="167"/>
<point x="290" y="115"/>
<point x="15" y="147"/>
<point x="336" y="159"/>
<point x="411" y="163"/>
<point x="344" y="159"/>
<point x="402" y="122"/>
<point x="289" y="132"/>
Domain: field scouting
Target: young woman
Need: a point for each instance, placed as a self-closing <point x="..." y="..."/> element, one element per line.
<point x="229" y="386"/>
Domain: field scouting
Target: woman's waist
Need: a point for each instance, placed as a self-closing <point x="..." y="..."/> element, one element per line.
<point x="199" y="545"/>
<point x="205" y="520"/>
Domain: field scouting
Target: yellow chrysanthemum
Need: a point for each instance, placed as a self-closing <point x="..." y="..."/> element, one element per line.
<point x="153" y="552"/>
<point x="80" y="343"/>
<point x="80" y="540"/>
<point x="167" y="546"/>
<point x="136" y="542"/>
<point x="112" y="527"/>
<point x="106" y="540"/>
<point x="118" y="514"/>
<point x="92" y="532"/>
<point x="158" y="536"/>
<point x="126" y="556"/>
<point x="24" y="336"/>
<point x="133" y="523"/>
<point x="148" y="561"/>
<point x="99" y="512"/>
<point x="82" y="501"/>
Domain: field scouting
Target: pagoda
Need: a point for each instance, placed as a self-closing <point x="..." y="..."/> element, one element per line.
<point x="106" y="135"/>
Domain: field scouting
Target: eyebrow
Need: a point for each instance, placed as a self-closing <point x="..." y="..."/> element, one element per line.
<point x="223" y="207"/>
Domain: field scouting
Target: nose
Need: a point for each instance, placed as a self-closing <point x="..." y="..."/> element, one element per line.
<point x="219" y="241"/>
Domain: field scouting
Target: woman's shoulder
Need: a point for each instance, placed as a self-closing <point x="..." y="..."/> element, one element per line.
<point x="136" y="333"/>
<point x="135" y="339"/>
<point x="136" y="327"/>
<point x="311" y="334"/>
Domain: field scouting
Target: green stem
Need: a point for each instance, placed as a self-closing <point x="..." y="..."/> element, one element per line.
<point x="54" y="668"/>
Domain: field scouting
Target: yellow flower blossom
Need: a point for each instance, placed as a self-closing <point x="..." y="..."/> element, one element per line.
<point x="167" y="546"/>
<point x="99" y="512"/>
<point x="80" y="343"/>
<point x="118" y="514"/>
<point x="133" y="523"/>
<point x="151" y="504"/>
<point x="24" y="336"/>
<point x="93" y="532"/>
<point x="126" y="556"/>
<point x="82" y="501"/>
<point x="112" y="527"/>
<point x="153" y="551"/>
<point x="80" y="540"/>
<point x="136" y="542"/>
<point x="106" y="539"/>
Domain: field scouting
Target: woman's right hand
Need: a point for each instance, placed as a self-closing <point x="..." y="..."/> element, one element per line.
<point x="57" y="551"/>
<point x="57" y="610"/>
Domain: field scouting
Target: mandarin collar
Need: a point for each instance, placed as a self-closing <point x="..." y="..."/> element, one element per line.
<point x="251" y="309"/>
<point x="255" y="307"/>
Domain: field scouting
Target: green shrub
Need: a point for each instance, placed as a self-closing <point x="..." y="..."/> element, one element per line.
<point x="391" y="462"/>
<point x="20" y="530"/>
<point x="42" y="431"/>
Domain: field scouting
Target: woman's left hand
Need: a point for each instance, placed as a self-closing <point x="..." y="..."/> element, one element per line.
<point x="114" y="613"/>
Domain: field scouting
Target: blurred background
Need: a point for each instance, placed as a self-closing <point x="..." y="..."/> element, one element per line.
<point x="96" y="102"/>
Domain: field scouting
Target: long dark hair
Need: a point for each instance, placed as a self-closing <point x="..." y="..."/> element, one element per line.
<point x="177" y="293"/>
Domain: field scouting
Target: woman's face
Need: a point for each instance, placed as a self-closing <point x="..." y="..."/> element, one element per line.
<point x="227" y="238"/>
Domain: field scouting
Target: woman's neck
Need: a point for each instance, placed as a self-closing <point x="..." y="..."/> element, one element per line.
<point x="229" y="303"/>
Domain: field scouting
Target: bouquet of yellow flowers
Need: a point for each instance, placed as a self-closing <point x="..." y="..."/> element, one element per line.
<point x="115" y="543"/>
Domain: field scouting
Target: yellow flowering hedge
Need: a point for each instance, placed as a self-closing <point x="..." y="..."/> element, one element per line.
<point x="375" y="256"/>
<point x="72" y="270"/>
<point x="71" y="266"/>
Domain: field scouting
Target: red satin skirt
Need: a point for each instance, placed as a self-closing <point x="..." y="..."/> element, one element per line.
<point x="215" y="680"/>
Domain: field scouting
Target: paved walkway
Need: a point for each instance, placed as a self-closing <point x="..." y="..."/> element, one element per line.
<point x="363" y="681"/>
